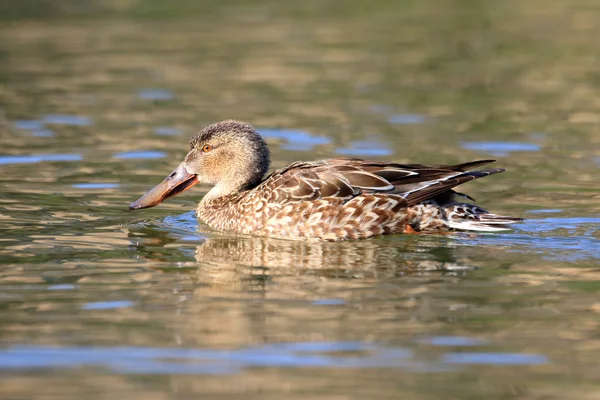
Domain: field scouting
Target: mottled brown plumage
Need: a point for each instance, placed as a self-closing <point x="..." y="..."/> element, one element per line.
<point x="335" y="199"/>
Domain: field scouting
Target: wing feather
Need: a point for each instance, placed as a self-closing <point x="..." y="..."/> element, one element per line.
<point x="345" y="178"/>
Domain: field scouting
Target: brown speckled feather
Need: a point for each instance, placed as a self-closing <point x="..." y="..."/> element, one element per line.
<point x="341" y="199"/>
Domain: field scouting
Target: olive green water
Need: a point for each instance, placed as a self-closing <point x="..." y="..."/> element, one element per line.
<point x="98" y="100"/>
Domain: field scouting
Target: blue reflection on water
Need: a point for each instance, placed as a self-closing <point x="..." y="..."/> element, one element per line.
<point x="401" y="119"/>
<point x="28" y="124"/>
<point x="329" y="302"/>
<point x="31" y="159"/>
<point x="167" y="131"/>
<point x="500" y="149"/>
<point x="364" y="148"/>
<point x="95" y="185"/>
<point x="64" y="119"/>
<point x="407" y="119"/>
<point x="43" y="133"/>
<point x="381" y="109"/>
<point x="578" y="243"/>
<point x="108" y="305"/>
<point x="155" y="94"/>
<point x="550" y="224"/>
<point x="297" y="140"/>
<point x="185" y="224"/>
<point x="62" y="286"/>
<point x="140" y="154"/>
<point x="495" y="358"/>
<point x="192" y="238"/>
<point x="452" y="341"/>
<point x="36" y="127"/>
<point x="545" y="211"/>
<point x="207" y="361"/>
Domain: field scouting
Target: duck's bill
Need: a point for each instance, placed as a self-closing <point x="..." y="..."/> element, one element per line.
<point x="177" y="182"/>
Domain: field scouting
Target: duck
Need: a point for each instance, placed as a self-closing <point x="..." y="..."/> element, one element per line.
<point x="332" y="200"/>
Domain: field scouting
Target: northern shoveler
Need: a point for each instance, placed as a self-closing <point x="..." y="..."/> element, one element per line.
<point x="333" y="200"/>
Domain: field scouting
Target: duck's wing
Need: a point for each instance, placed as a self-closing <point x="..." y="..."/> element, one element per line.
<point x="345" y="178"/>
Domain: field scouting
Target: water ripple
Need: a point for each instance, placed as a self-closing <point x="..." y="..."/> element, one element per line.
<point x="64" y="119"/>
<point x="43" y="133"/>
<point x="35" y="126"/>
<point x="495" y="358"/>
<point x="407" y="119"/>
<point x="62" y="286"/>
<point x="579" y="244"/>
<point x="364" y="148"/>
<point x="128" y="155"/>
<point x="329" y="302"/>
<point x="95" y="185"/>
<point x="108" y="305"/>
<point x="205" y="361"/>
<point x="297" y="140"/>
<point x="155" y="94"/>
<point x="452" y="341"/>
<point x="31" y="159"/>
<point x="500" y="149"/>
<point x="28" y="124"/>
<point x="166" y="131"/>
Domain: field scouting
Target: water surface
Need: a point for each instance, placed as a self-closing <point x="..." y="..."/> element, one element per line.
<point x="96" y="106"/>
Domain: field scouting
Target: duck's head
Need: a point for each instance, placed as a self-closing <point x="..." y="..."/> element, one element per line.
<point x="230" y="155"/>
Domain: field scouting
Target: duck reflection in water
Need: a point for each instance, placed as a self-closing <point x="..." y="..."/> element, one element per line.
<point x="222" y="258"/>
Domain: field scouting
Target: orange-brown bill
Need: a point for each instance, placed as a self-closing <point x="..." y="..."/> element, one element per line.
<point x="177" y="182"/>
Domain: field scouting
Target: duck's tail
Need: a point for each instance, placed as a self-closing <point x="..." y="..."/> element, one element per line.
<point x="469" y="217"/>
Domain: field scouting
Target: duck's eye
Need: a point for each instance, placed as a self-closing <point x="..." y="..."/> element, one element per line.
<point x="206" y="148"/>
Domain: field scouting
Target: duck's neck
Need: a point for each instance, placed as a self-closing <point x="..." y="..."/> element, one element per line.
<point x="217" y="192"/>
<point x="219" y="209"/>
<point x="221" y="197"/>
<point x="222" y="191"/>
<point x="222" y="200"/>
